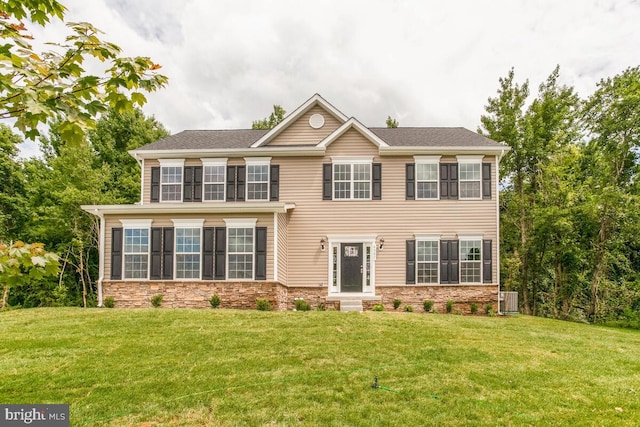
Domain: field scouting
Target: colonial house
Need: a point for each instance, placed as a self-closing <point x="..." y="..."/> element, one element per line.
<point x="320" y="207"/>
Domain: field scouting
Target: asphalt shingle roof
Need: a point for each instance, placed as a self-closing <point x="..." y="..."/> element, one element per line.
<point x="396" y="137"/>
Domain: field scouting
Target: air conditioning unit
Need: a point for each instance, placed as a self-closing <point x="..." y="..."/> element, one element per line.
<point x="508" y="302"/>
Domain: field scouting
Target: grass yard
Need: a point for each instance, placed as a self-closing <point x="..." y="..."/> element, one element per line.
<point x="163" y="367"/>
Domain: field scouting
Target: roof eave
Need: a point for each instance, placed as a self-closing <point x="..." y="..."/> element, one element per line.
<point x="442" y="150"/>
<point x="190" y="208"/>
<point x="228" y="152"/>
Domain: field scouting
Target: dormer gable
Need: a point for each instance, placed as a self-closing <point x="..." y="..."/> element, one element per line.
<point x="352" y="123"/>
<point x="309" y="124"/>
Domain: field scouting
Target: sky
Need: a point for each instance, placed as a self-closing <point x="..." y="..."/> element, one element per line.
<point x="422" y="62"/>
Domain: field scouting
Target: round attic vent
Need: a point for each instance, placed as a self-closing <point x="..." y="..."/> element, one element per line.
<point x="316" y="121"/>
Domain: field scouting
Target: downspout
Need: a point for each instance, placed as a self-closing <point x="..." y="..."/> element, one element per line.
<point x="101" y="254"/>
<point x="275" y="246"/>
<point x="498" y="224"/>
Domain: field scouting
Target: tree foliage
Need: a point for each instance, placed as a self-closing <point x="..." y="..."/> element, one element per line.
<point x="391" y="123"/>
<point x="39" y="88"/>
<point x="272" y="121"/>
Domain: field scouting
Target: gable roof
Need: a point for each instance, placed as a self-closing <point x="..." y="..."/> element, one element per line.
<point x="207" y="139"/>
<point x="433" y="137"/>
<point x="308" y="104"/>
<point x="352" y="123"/>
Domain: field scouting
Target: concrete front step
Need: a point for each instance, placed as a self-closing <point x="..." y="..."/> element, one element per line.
<point x="350" y="305"/>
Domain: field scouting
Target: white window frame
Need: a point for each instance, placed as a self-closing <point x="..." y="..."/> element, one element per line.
<point x="470" y="238"/>
<point x="186" y="224"/>
<point x="214" y="163"/>
<point x="247" y="223"/>
<point x="172" y="163"/>
<point x="428" y="160"/>
<point x="428" y="238"/>
<point x="142" y="224"/>
<point x="258" y="161"/>
<point x="351" y="161"/>
<point x="467" y="160"/>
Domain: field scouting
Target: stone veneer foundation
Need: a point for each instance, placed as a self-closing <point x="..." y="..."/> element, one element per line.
<point x="243" y="295"/>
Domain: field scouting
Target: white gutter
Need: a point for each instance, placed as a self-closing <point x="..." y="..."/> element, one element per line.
<point x="441" y="150"/>
<point x="284" y="151"/>
<point x="190" y="208"/>
<point x="498" y="158"/>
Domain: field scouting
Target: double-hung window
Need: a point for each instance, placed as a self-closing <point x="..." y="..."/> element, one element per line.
<point x="427" y="177"/>
<point x="136" y="249"/>
<point x="188" y="240"/>
<point x="352" y="179"/>
<point x="214" y="175"/>
<point x="471" y="260"/>
<point x="470" y="177"/>
<point x="258" y="178"/>
<point x="171" y="180"/>
<point x="240" y="248"/>
<point x="427" y="260"/>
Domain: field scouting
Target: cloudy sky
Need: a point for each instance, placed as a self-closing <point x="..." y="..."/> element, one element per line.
<point x="425" y="63"/>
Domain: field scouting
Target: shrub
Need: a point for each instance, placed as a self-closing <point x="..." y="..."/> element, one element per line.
<point x="408" y="308"/>
<point x="321" y="307"/>
<point x="109" y="302"/>
<point x="263" y="304"/>
<point x="156" y="300"/>
<point x="488" y="309"/>
<point x="449" y="306"/>
<point x="302" y="305"/>
<point x="396" y="303"/>
<point x="474" y="307"/>
<point x="378" y="307"/>
<point x="427" y="305"/>
<point x="215" y="301"/>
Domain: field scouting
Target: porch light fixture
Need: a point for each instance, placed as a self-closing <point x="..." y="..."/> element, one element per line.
<point x="322" y="242"/>
<point x="381" y="243"/>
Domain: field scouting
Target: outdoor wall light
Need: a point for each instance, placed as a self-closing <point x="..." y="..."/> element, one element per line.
<point x="322" y="242"/>
<point x="381" y="243"/>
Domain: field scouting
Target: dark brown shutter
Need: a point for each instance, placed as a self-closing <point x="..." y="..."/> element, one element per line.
<point x="240" y="182"/>
<point x="156" y="253"/>
<point x="187" y="184"/>
<point x="167" y="253"/>
<point x="155" y="184"/>
<point x="377" y="181"/>
<point x="486" y="180"/>
<point x="220" y="253"/>
<point x="327" y="178"/>
<point x="207" y="252"/>
<point x="411" y="181"/>
<point x="261" y="253"/>
<point x="486" y="262"/>
<point x="197" y="184"/>
<point x="454" y="262"/>
<point x="448" y="180"/>
<point x="116" y="253"/>
<point x="231" y="183"/>
<point x="449" y="262"/>
<point x="274" y="179"/>
<point x="411" y="262"/>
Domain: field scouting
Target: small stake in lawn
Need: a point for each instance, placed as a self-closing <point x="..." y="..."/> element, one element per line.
<point x="381" y="387"/>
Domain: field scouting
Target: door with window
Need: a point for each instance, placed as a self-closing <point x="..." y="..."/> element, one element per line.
<point x="351" y="267"/>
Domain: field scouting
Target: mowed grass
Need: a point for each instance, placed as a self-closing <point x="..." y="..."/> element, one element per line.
<point x="163" y="367"/>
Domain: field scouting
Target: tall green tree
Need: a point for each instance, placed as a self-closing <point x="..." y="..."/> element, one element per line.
<point x="39" y="88"/>
<point x="12" y="207"/>
<point x="391" y="123"/>
<point x="270" y="122"/>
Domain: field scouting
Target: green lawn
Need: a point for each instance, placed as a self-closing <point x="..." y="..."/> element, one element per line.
<point x="222" y="367"/>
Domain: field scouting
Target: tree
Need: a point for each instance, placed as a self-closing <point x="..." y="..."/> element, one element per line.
<point x="21" y="262"/>
<point x="43" y="87"/>
<point x="270" y="122"/>
<point x="12" y="209"/>
<point x="391" y="123"/>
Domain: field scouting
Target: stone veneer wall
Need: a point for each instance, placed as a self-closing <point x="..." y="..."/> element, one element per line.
<point x="243" y="295"/>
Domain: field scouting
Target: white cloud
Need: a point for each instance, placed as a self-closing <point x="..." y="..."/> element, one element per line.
<point x="424" y="63"/>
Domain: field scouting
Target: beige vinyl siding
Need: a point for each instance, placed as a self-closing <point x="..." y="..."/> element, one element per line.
<point x="264" y="220"/>
<point x="283" y="247"/>
<point x="393" y="217"/>
<point x="300" y="133"/>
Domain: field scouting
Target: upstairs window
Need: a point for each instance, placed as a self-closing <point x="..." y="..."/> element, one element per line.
<point x="427" y="177"/>
<point x="171" y="180"/>
<point x="214" y="182"/>
<point x="257" y="178"/>
<point x="352" y="180"/>
<point x="470" y="177"/>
